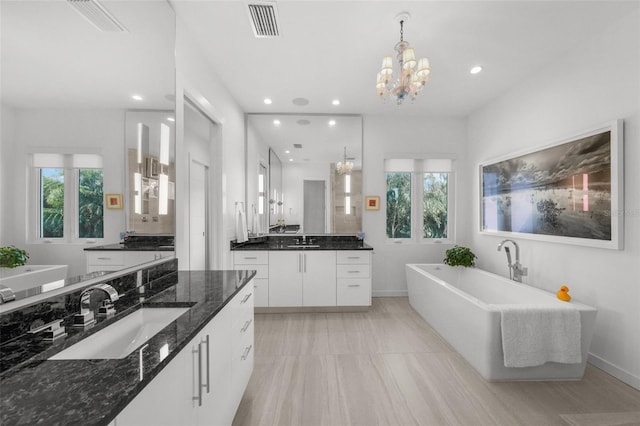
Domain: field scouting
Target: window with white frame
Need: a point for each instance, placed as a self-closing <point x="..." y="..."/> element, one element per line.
<point x="419" y="202"/>
<point x="67" y="197"/>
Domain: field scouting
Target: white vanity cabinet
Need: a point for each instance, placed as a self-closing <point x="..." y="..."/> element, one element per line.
<point x="114" y="260"/>
<point x="257" y="260"/>
<point x="354" y="278"/>
<point x="302" y="278"/>
<point x="204" y="383"/>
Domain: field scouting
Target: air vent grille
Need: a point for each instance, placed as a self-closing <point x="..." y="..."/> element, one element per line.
<point x="297" y="145"/>
<point x="264" y="19"/>
<point x="97" y="15"/>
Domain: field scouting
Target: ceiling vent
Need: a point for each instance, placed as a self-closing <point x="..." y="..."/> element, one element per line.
<point x="97" y="15"/>
<point x="264" y="19"/>
<point x="297" y="145"/>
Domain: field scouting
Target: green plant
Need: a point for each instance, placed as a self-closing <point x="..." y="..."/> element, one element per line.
<point x="460" y="256"/>
<point x="11" y="257"/>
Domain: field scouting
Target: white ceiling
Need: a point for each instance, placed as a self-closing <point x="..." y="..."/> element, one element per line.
<point x="329" y="49"/>
<point x="333" y="49"/>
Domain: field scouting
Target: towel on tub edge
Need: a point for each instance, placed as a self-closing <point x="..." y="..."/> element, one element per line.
<point x="535" y="334"/>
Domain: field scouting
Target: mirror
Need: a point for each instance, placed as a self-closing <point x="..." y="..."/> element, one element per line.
<point x="68" y="82"/>
<point x="150" y="148"/>
<point x="304" y="191"/>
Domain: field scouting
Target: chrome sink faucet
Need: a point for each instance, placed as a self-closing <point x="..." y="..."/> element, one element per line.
<point x="516" y="270"/>
<point x="86" y="317"/>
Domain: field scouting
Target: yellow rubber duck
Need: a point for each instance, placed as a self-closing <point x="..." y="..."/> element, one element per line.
<point x="563" y="293"/>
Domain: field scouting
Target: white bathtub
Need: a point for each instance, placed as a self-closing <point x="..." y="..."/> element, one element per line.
<point x="459" y="303"/>
<point x="29" y="276"/>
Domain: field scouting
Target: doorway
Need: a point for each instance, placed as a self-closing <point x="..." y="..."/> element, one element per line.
<point x="314" y="206"/>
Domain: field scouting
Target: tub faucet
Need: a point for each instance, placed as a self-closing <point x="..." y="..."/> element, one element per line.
<point x="516" y="270"/>
<point x="86" y="318"/>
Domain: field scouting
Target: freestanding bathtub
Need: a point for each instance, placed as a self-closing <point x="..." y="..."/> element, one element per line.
<point x="29" y="276"/>
<point x="461" y="304"/>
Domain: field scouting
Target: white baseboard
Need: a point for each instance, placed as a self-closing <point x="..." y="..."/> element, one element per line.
<point x="389" y="293"/>
<point x="615" y="371"/>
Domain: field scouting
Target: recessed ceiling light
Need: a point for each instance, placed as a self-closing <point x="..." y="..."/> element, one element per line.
<point x="332" y="122"/>
<point x="276" y="122"/>
<point x="136" y="97"/>
<point x="290" y="159"/>
<point x="171" y="119"/>
<point x="476" y="69"/>
<point x="336" y="102"/>
<point x="287" y="152"/>
<point x="268" y="101"/>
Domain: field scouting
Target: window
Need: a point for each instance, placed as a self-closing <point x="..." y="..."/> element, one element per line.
<point x="419" y="199"/>
<point x="69" y="193"/>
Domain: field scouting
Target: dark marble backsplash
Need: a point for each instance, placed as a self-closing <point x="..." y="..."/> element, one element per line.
<point x="17" y="345"/>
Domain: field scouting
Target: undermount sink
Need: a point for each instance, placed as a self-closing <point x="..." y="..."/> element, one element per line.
<point x="304" y="246"/>
<point x="123" y="336"/>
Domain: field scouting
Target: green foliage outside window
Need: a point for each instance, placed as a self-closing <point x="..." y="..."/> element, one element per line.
<point x="399" y="205"/>
<point x="435" y="201"/>
<point x="52" y="203"/>
<point x="90" y="204"/>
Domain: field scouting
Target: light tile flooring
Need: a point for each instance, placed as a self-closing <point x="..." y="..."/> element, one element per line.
<point x="388" y="367"/>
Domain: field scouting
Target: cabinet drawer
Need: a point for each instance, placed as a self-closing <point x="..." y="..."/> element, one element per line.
<point x="354" y="292"/>
<point x="251" y="257"/>
<point x="353" y="271"/>
<point x="353" y="257"/>
<point x="262" y="271"/>
<point x="105" y="258"/>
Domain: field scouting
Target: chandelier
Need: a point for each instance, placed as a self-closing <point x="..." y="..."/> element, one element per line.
<point x="344" y="167"/>
<point x="412" y="74"/>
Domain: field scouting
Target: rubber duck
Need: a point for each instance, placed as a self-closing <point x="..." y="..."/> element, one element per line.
<point x="563" y="293"/>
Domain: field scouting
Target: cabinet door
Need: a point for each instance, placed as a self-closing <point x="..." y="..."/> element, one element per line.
<point x="285" y="278"/>
<point x="217" y="379"/>
<point x="167" y="400"/>
<point x="319" y="278"/>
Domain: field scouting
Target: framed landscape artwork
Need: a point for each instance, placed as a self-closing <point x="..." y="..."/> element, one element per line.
<point x="568" y="191"/>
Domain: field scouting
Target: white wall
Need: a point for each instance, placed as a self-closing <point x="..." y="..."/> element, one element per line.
<point x="596" y="82"/>
<point x="7" y="134"/>
<point x="98" y="130"/>
<point x="196" y="77"/>
<point x="392" y="135"/>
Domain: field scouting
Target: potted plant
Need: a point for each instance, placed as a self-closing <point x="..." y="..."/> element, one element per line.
<point x="460" y="256"/>
<point x="12" y="257"/>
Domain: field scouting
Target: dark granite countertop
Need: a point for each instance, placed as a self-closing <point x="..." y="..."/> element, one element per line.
<point x="93" y="392"/>
<point x="320" y="242"/>
<point x="126" y="247"/>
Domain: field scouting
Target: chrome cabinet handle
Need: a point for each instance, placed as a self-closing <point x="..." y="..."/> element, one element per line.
<point x="208" y="369"/>
<point x="353" y="257"/>
<point x="353" y="285"/>
<point x="305" y="263"/>
<point x="199" y="396"/>
<point x="246" y="298"/>
<point x="249" y="257"/>
<point x="246" y="325"/>
<point x="299" y="268"/>
<point x="246" y="352"/>
<point x="104" y="258"/>
<point x="353" y="272"/>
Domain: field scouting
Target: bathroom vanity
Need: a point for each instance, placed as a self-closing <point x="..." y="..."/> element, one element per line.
<point x="314" y="272"/>
<point x="135" y="250"/>
<point x="193" y="370"/>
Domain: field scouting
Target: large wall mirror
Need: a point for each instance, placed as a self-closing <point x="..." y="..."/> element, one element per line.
<point x="81" y="76"/>
<point x="304" y="173"/>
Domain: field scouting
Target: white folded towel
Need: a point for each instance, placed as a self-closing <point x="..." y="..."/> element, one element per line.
<point x="535" y="334"/>
<point x="241" y="226"/>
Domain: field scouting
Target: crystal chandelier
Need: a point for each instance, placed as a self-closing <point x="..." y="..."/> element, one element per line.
<point x="412" y="74"/>
<point x="344" y="167"/>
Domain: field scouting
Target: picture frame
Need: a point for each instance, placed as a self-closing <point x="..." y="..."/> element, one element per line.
<point x="113" y="201"/>
<point x="372" y="202"/>
<point x="568" y="191"/>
